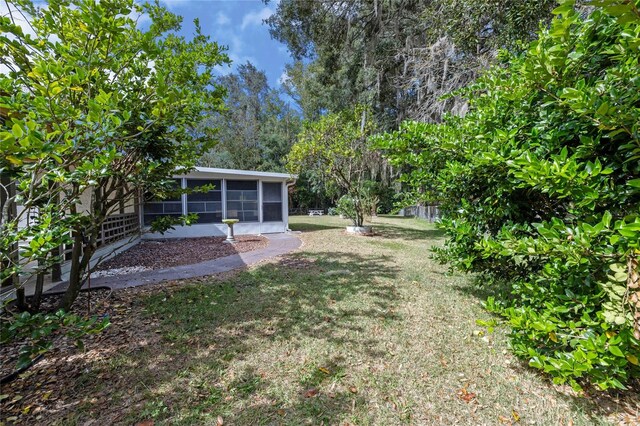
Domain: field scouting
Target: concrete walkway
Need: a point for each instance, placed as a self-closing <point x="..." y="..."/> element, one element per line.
<point x="278" y="244"/>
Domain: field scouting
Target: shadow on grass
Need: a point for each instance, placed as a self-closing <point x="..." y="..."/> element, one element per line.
<point x="209" y="330"/>
<point x="595" y="403"/>
<point x="394" y="232"/>
<point x="311" y="227"/>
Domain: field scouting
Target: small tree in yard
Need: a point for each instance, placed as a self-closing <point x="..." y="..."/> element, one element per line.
<point x="337" y="148"/>
<point x="94" y="108"/>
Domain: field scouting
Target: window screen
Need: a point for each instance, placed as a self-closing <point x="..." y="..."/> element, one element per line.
<point x="208" y="205"/>
<point x="171" y="206"/>
<point x="271" y="202"/>
<point x="242" y="200"/>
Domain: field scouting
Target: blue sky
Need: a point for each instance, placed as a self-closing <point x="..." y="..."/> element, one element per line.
<point x="238" y="25"/>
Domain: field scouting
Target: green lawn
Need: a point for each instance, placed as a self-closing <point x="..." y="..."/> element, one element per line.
<point x="348" y="330"/>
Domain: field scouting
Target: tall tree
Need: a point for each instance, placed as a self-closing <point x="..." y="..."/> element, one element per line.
<point x="399" y="56"/>
<point x="257" y="128"/>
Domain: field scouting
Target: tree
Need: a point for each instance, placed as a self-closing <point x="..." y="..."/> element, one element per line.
<point x="257" y="128"/>
<point x="397" y="56"/>
<point x="95" y="107"/>
<point x="337" y="148"/>
<point x="540" y="189"/>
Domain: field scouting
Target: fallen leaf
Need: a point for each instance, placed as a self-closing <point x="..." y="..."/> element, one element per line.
<point x="311" y="393"/>
<point x="220" y="422"/>
<point x="281" y="412"/>
<point x="324" y="370"/>
<point x="465" y="395"/>
<point x="515" y="415"/>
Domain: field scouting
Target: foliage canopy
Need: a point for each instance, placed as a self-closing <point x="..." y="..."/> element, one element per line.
<point x="336" y="147"/>
<point x="96" y="108"/>
<point x="540" y="186"/>
<point x="397" y="56"/>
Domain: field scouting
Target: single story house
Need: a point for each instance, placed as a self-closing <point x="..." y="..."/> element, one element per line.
<point x="259" y="200"/>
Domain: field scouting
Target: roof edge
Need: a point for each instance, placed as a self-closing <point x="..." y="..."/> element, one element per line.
<point x="238" y="172"/>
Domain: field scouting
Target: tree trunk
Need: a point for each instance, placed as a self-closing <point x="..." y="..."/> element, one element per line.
<point x="75" y="271"/>
<point x="85" y="244"/>
<point x="8" y="212"/>
<point x="37" y="295"/>
<point x="56" y="268"/>
<point x="21" y="302"/>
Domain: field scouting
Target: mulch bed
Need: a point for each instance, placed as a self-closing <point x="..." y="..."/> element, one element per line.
<point x="160" y="254"/>
<point x="52" y="388"/>
<point x="68" y="377"/>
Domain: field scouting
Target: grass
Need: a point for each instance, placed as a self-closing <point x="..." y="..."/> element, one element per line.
<point x="348" y="330"/>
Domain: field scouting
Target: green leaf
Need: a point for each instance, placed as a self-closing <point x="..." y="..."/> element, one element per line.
<point x="17" y="131"/>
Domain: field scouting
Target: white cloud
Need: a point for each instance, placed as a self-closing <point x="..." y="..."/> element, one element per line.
<point x="141" y="18"/>
<point x="236" y="44"/>
<point x="21" y="20"/>
<point x="284" y="77"/>
<point x="222" y="19"/>
<point x="256" y="17"/>
<point x="171" y="4"/>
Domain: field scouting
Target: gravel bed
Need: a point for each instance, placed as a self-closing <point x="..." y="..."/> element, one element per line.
<point x="160" y="254"/>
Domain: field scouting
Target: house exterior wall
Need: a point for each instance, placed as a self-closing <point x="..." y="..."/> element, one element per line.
<point x="128" y="204"/>
<point x="241" y="228"/>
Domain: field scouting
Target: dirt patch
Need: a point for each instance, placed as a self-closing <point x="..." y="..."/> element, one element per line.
<point x="160" y="254"/>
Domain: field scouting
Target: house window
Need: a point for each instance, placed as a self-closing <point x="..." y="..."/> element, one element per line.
<point x="242" y="200"/>
<point x="171" y="206"/>
<point x="208" y="205"/>
<point x="271" y="202"/>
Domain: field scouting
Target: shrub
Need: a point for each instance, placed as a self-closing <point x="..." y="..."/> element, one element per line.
<point x="540" y="189"/>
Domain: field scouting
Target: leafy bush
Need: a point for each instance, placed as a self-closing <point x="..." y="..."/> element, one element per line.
<point x="346" y="206"/>
<point x="540" y="188"/>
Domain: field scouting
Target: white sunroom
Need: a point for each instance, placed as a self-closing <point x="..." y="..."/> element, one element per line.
<point x="259" y="200"/>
